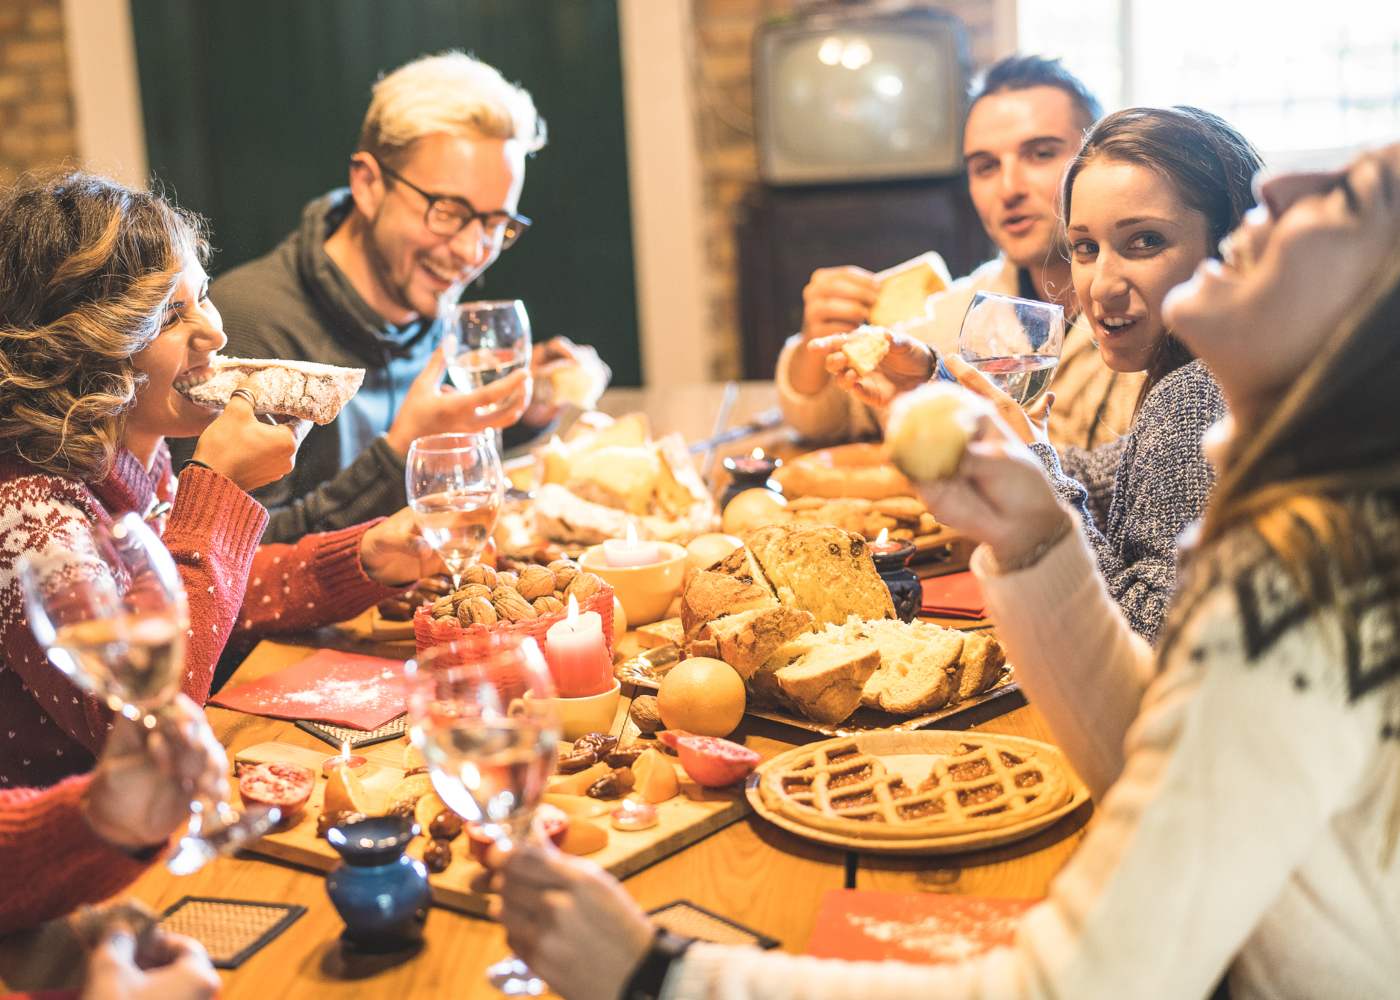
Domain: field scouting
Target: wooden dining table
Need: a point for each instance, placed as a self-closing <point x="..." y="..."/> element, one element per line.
<point x="750" y="871"/>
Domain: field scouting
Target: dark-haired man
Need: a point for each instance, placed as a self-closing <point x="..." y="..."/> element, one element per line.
<point x="1026" y="120"/>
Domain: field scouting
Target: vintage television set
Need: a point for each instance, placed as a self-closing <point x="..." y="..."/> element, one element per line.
<point x="846" y="93"/>
<point x="858" y="111"/>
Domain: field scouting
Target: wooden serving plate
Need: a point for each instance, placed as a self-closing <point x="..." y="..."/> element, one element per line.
<point x="911" y="754"/>
<point x="694" y="814"/>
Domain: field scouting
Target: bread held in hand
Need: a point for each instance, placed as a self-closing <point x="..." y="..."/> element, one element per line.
<point x="304" y="390"/>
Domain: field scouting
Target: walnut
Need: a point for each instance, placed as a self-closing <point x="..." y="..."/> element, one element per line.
<point x="583" y="586"/>
<point x="511" y="606"/>
<point x="445" y="607"/>
<point x="646" y="713"/>
<point x="549" y="605"/>
<point x="480" y="574"/>
<point x="564" y="572"/>
<point x="536" y="581"/>
<point x="478" y="611"/>
<point x="508" y="579"/>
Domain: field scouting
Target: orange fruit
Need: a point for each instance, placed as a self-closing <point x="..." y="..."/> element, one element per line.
<point x="345" y="793"/>
<point x="702" y="695"/>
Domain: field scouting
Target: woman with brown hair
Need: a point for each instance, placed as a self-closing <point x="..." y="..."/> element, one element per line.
<point x="103" y="310"/>
<point x="1149" y="196"/>
<point x="1245" y="771"/>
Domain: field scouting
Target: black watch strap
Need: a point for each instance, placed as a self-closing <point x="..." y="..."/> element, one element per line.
<point x="650" y="974"/>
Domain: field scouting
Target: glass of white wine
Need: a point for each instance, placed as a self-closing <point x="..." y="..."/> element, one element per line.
<point x="485" y="342"/>
<point x="482" y="712"/>
<point x="110" y="610"/>
<point x="1014" y="342"/>
<point x="455" y="486"/>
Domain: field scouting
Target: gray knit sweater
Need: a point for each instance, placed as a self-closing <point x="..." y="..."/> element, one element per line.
<point x="1136" y="495"/>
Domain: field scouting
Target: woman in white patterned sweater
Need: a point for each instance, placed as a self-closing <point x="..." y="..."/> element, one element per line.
<point x="1149" y="195"/>
<point x="1246" y="771"/>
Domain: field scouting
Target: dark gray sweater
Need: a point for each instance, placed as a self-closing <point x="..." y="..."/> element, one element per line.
<point x="1136" y="495"/>
<point x="296" y="305"/>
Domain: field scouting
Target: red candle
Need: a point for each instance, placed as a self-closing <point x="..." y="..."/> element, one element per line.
<point x="578" y="655"/>
<point x="882" y="544"/>
<point x="344" y="759"/>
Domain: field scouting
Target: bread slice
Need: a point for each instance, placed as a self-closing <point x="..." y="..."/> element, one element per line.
<point x="746" y="640"/>
<point x="982" y="661"/>
<point x="917" y="663"/>
<point x="824" y="681"/>
<point x="821" y="569"/>
<point x="301" y="389"/>
<point x="710" y="596"/>
<point x="866" y="348"/>
<point x="905" y="288"/>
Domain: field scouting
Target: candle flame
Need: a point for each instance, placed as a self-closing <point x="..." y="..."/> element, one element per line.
<point x="883" y="538"/>
<point x="345" y="749"/>
<point x="573" y="610"/>
<point x="756" y="453"/>
<point x="631" y="533"/>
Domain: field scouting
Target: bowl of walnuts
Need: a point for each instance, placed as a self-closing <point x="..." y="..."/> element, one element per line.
<point x="527" y="603"/>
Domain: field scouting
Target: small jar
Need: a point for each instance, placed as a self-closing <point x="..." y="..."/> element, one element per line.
<point x="380" y="892"/>
<point x="892" y="561"/>
<point x="747" y="472"/>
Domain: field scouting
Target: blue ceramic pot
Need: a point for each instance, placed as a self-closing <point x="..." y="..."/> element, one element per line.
<point x="903" y="584"/>
<point x="381" y="893"/>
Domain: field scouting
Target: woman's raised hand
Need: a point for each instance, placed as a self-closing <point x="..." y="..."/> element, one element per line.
<point x="907" y="363"/>
<point x="251" y="451"/>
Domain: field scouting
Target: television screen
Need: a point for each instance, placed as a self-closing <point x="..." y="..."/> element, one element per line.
<point x="859" y="95"/>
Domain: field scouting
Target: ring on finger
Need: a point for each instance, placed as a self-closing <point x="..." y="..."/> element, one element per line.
<point x="247" y="396"/>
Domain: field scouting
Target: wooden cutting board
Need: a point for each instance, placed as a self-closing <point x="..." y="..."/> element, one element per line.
<point x="691" y="816"/>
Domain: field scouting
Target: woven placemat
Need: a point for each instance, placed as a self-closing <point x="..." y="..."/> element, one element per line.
<point x="337" y="735"/>
<point x="230" y="929"/>
<point x="689" y="920"/>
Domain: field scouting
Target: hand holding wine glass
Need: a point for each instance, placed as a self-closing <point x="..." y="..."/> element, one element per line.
<point x="482" y="713"/>
<point x="110" y="610"/>
<point x="485" y="342"/>
<point x="455" y="486"/>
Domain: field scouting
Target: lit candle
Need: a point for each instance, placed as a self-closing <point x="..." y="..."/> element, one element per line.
<point x="344" y="759"/>
<point x="753" y="466"/>
<point x="882" y="543"/>
<point x="577" y="654"/>
<point x="630" y="551"/>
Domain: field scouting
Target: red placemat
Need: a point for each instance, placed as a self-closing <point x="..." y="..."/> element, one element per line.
<point x="930" y="928"/>
<point x="956" y="595"/>
<point x="359" y="692"/>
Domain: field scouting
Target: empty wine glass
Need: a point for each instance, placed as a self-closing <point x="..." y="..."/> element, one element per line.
<point x="482" y="712"/>
<point x="1014" y="342"/>
<point x="485" y="342"/>
<point x="110" y="611"/>
<point x="455" y="486"/>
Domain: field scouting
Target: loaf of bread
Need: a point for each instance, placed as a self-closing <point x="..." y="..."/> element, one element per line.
<point x="919" y="666"/>
<point x="301" y="389"/>
<point x="817" y="678"/>
<point x="711" y="595"/>
<point x="982" y="661"/>
<point x="821" y="569"/>
<point x="747" y="639"/>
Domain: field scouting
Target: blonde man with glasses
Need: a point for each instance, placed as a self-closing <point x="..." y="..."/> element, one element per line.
<point x="432" y="201"/>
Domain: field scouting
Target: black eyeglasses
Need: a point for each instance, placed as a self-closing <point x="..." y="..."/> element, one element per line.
<point x="448" y="215"/>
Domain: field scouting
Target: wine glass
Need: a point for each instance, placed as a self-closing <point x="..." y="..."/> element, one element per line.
<point x="484" y="342"/>
<point x="482" y="712"/>
<point x="455" y="486"/>
<point x="1014" y="342"/>
<point x="110" y="611"/>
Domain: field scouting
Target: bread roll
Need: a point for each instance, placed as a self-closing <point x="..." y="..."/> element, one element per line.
<point x="866" y="348"/>
<point x="930" y="428"/>
<point x="906" y="287"/>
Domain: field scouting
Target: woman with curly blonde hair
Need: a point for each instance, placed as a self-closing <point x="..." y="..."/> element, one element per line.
<point x="1246" y="771"/>
<point x="103" y="310"/>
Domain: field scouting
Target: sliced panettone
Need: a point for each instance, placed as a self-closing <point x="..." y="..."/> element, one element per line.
<point x="711" y="595"/>
<point x="821" y="569"/>
<point x="818" y="678"/>
<point x="918" y="663"/>
<point x="747" y="639"/>
<point x="982" y="661"/>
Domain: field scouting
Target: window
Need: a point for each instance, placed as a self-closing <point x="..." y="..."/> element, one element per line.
<point x="1296" y="80"/>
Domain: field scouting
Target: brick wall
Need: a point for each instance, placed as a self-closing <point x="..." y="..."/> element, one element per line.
<point x="36" y="109"/>
<point x="723" y="36"/>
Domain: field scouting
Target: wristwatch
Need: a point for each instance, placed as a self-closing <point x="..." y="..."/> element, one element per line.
<point x="650" y="974"/>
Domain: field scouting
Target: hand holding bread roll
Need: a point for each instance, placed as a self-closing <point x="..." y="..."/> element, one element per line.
<point x="904" y="363"/>
<point x="974" y="475"/>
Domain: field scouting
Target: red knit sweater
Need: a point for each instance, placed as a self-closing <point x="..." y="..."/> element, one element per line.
<point x="48" y="728"/>
<point x="44" y="834"/>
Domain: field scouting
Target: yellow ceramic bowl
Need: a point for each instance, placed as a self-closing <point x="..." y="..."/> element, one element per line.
<point x="645" y="591"/>
<point x="594" y="713"/>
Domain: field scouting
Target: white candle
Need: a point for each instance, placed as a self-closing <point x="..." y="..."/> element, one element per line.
<point x="630" y="551"/>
